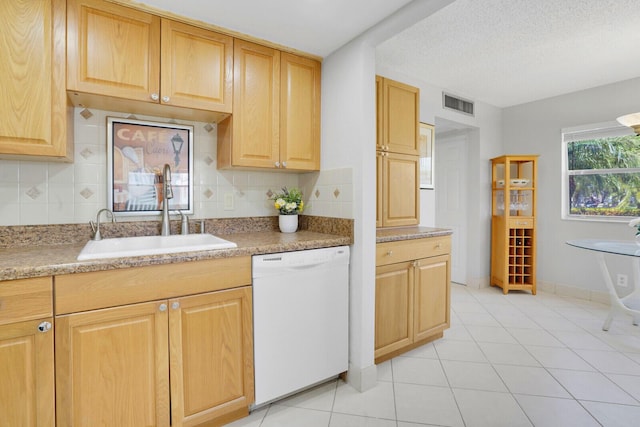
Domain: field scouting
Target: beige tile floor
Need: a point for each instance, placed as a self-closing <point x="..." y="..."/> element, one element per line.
<point x="507" y="360"/>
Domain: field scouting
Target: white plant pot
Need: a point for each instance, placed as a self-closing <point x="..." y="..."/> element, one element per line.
<point x="288" y="223"/>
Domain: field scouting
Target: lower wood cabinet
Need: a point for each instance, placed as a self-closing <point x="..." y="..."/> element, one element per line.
<point x="26" y="353"/>
<point x="179" y="361"/>
<point x="412" y="294"/>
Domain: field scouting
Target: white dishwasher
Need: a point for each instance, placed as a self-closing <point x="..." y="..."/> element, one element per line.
<point x="300" y="319"/>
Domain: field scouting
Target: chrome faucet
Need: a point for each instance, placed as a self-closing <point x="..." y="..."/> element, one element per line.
<point x="167" y="193"/>
<point x="95" y="226"/>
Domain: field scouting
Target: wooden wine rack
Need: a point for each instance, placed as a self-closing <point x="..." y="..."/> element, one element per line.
<point x="513" y="230"/>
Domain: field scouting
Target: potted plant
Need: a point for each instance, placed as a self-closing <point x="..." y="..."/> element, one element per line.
<point x="289" y="204"/>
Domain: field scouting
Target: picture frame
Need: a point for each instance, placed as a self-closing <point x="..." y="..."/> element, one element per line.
<point x="137" y="151"/>
<point x="426" y="144"/>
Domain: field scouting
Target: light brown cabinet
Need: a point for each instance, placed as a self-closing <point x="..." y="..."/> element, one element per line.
<point x="412" y="294"/>
<point x="398" y="190"/>
<point x="175" y="349"/>
<point x="37" y="117"/>
<point x="513" y="223"/>
<point x="276" y="111"/>
<point x="26" y="353"/>
<point x="398" y="162"/>
<point x="119" y="57"/>
<point x="398" y="107"/>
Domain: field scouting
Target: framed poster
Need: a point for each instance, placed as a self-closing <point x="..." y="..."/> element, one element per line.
<point x="136" y="154"/>
<point x="426" y="142"/>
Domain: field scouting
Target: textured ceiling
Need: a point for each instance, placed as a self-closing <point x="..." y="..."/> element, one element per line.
<point x="502" y="52"/>
<point x="508" y="52"/>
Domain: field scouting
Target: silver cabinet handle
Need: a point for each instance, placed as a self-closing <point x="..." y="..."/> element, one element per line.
<point x="438" y="245"/>
<point x="284" y="164"/>
<point x="162" y="307"/>
<point x="277" y="164"/>
<point x="165" y="99"/>
<point x="44" y="326"/>
<point x="175" y="305"/>
<point x="155" y="96"/>
<point x="389" y="253"/>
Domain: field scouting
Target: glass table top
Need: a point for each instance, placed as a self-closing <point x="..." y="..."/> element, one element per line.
<point x="618" y="247"/>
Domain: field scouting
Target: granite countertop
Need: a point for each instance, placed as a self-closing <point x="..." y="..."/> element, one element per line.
<point x="25" y="262"/>
<point x="408" y="233"/>
<point x="36" y="257"/>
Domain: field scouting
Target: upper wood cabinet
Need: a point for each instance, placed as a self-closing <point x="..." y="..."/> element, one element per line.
<point x="397" y="154"/>
<point x="276" y="111"/>
<point x="26" y="353"/>
<point x="398" y="108"/>
<point x="37" y="118"/>
<point x="299" y="113"/>
<point x="117" y="54"/>
<point x="251" y="136"/>
<point x="196" y="67"/>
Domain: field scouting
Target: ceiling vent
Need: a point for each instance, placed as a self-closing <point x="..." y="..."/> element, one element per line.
<point x="458" y="104"/>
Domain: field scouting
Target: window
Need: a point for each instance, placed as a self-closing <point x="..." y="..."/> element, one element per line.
<point x="601" y="179"/>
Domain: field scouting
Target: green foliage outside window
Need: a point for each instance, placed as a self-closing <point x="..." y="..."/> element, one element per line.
<point x="604" y="176"/>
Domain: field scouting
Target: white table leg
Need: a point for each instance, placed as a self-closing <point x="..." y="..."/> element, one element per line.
<point x="616" y="302"/>
<point x="613" y="296"/>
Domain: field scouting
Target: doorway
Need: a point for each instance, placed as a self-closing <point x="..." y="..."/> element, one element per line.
<point x="451" y="163"/>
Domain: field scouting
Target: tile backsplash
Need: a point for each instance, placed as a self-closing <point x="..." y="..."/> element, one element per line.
<point x="65" y="193"/>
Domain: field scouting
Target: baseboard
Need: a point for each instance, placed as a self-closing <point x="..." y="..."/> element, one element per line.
<point x="362" y="379"/>
<point x="574" y="292"/>
<point x="554" y="288"/>
<point x="478" y="282"/>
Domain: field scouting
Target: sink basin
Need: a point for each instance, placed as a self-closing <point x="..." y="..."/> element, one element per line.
<point x="151" y="245"/>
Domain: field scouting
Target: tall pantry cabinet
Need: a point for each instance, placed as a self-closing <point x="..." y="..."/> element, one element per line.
<point x="513" y="222"/>
<point x="397" y="154"/>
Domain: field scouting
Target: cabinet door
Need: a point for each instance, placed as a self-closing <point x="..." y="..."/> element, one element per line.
<point x="196" y="67"/>
<point x="300" y="113"/>
<point x="112" y="367"/>
<point x="211" y="355"/>
<point x="431" y="313"/>
<point x="256" y="100"/>
<point x="394" y="307"/>
<point x="401" y="117"/>
<point x="379" y="113"/>
<point x="26" y="368"/>
<point x="36" y="116"/>
<point x="400" y="190"/>
<point x="379" y="188"/>
<point x="112" y="50"/>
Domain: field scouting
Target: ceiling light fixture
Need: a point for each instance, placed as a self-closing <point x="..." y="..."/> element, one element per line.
<point x="631" y="120"/>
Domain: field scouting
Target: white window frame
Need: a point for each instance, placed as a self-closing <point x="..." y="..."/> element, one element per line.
<point x="577" y="133"/>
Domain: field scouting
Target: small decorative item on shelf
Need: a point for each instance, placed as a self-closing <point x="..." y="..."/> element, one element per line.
<point x="635" y="223"/>
<point x="289" y="204"/>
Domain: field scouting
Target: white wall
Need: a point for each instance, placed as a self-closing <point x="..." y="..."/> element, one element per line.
<point x="348" y="139"/>
<point x="534" y="128"/>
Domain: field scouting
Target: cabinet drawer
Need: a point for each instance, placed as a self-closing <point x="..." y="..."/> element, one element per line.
<point x="521" y="223"/>
<point x="406" y="250"/>
<point x="102" y="289"/>
<point x="25" y="299"/>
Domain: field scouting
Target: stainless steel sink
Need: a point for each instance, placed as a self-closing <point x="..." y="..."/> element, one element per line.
<point x="152" y="245"/>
